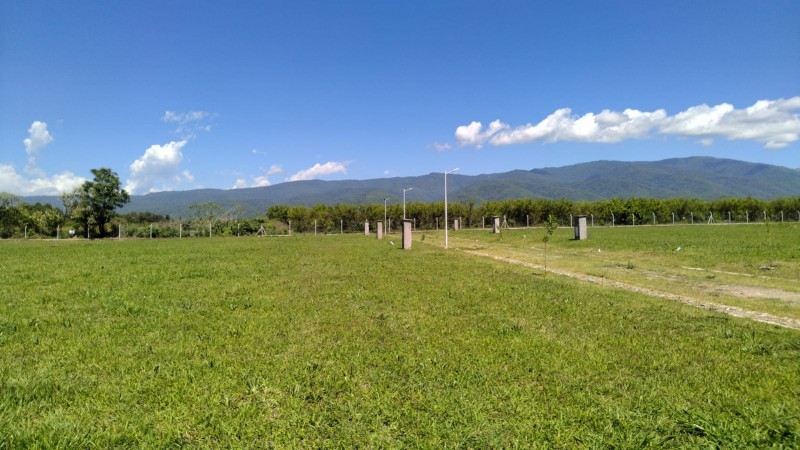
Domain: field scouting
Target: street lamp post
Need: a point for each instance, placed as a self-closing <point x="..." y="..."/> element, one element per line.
<point x="445" y="206"/>
<point x="404" y="201"/>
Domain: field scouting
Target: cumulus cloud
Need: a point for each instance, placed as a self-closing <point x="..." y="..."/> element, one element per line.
<point x="318" y="170"/>
<point x="158" y="169"/>
<point x="775" y="123"/>
<point x="35" y="181"/>
<point x="38" y="138"/>
<point x="261" y="180"/>
<point x="471" y="134"/>
<point x="15" y="183"/>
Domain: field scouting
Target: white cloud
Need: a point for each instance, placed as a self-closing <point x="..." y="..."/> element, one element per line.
<point x="562" y="125"/>
<point x="37" y="182"/>
<point x="440" y="147"/>
<point x="706" y="142"/>
<point x="319" y="170"/>
<point x="10" y="180"/>
<point x="260" y="181"/>
<point x="38" y="138"/>
<point x="58" y="183"/>
<point x="192" y="116"/>
<point x="188" y="123"/>
<point x="775" y="123"/>
<point x="470" y="134"/>
<point x="13" y="182"/>
<point x="158" y="169"/>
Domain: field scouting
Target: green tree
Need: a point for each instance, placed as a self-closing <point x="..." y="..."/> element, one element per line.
<point x="206" y="215"/>
<point x="278" y="212"/>
<point x="9" y="214"/>
<point x="40" y="218"/>
<point x="298" y="217"/>
<point x="8" y="200"/>
<point x="550" y="226"/>
<point x="94" y="202"/>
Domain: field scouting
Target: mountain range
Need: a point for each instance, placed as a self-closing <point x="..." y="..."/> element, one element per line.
<point x="695" y="177"/>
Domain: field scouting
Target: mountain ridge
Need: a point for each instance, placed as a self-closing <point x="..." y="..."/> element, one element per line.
<point x="700" y="177"/>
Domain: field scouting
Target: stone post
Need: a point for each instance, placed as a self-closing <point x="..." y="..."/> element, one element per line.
<point x="455" y="224"/>
<point x="366" y="228"/>
<point x="406" y="234"/>
<point x="380" y="230"/>
<point x="495" y="224"/>
<point x="580" y="228"/>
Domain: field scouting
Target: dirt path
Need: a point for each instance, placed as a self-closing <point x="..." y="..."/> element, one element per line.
<point x="725" y="309"/>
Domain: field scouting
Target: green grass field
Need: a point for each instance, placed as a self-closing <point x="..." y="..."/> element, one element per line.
<point x="347" y="341"/>
<point x="755" y="267"/>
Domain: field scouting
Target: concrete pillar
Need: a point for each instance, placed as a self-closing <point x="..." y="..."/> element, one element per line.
<point x="580" y="229"/>
<point x="495" y="224"/>
<point x="406" y="234"/>
<point x="380" y="230"/>
<point x="366" y="228"/>
<point x="455" y="224"/>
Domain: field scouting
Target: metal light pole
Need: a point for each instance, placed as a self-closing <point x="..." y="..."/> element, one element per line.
<point x="404" y="201"/>
<point x="384" y="215"/>
<point x="445" y="206"/>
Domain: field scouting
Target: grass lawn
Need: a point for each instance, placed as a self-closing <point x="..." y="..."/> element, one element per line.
<point x="345" y="341"/>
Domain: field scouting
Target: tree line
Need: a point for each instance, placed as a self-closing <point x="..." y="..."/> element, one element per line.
<point x="90" y="211"/>
<point x="536" y="212"/>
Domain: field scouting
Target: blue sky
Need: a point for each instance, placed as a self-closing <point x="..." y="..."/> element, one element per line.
<point x="190" y="94"/>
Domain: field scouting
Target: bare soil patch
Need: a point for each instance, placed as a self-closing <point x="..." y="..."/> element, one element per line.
<point x="758" y="292"/>
<point x="748" y="291"/>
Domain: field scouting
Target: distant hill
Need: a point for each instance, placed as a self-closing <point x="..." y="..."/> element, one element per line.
<point x="697" y="177"/>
